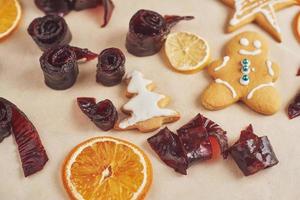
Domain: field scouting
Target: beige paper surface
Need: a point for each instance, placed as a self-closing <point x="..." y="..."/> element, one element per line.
<point x="62" y="125"/>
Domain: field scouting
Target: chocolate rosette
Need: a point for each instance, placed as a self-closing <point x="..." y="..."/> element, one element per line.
<point x="148" y="31"/>
<point x="103" y="114"/>
<point x="60" y="67"/>
<point x="5" y="119"/>
<point x="110" y="68"/>
<point x="59" y="7"/>
<point x="49" y="31"/>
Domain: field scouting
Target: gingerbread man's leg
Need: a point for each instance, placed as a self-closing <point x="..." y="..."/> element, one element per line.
<point x="218" y="96"/>
<point x="264" y="100"/>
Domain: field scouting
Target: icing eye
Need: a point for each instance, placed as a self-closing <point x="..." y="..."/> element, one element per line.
<point x="244" y="42"/>
<point x="257" y="44"/>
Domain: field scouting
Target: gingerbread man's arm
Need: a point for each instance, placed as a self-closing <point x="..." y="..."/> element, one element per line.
<point x="273" y="69"/>
<point x="217" y="66"/>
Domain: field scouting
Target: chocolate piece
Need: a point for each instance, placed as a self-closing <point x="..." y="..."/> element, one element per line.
<point x="103" y="114"/>
<point x="108" y="10"/>
<point x="49" y="31"/>
<point x="148" y="31"/>
<point x="252" y="153"/>
<point x="5" y="119"/>
<point x="60" y="66"/>
<point x="294" y="108"/>
<point x="110" y="68"/>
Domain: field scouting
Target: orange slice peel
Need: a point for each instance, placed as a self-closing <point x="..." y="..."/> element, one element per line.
<point x="10" y="16"/>
<point x="107" y="168"/>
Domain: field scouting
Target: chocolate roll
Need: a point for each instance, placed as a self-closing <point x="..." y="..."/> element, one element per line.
<point x="58" y="7"/>
<point x="110" y="67"/>
<point x="49" y="31"/>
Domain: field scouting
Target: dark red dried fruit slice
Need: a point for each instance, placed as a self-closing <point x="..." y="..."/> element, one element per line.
<point x="32" y="153"/>
<point x="103" y="114"/>
<point x="49" y="31"/>
<point x="111" y="67"/>
<point x="253" y="153"/>
<point x="168" y="147"/>
<point x="294" y="108"/>
<point x="31" y="149"/>
<point x="60" y="67"/>
<point x="85" y="4"/>
<point x="108" y="10"/>
<point x="63" y="7"/>
<point x="58" y="7"/>
<point x="5" y="119"/>
<point x="196" y="144"/>
<point x="202" y="129"/>
<point x="148" y="31"/>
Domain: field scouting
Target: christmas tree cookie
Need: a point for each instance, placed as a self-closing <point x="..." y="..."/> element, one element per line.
<point x="146" y="108"/>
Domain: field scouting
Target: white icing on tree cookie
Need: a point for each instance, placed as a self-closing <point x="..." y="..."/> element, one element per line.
<point x="144" y="105"/>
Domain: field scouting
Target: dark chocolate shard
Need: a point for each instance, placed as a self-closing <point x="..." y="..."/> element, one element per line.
<point x="252" y="153"/>
<point x="168" y="147"/>
<point x="108" y="10"/>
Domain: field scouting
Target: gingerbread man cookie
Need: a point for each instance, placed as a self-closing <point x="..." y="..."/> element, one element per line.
<point x="260" y="11"/>
<point x="146" y="108"/>
<point x="244" y="74"/>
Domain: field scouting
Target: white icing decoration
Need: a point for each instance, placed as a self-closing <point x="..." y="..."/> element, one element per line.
<point x="253" y="69"/>
<point x="248" y="8"/>
<point x="220" y="81"/>
<point x="91" y="143"/>
<point x="243" y="82"/>
<point x="257" y="44"/>
<point x="270" y="69"/>
<point x="249" y="53"/>
<point x="224" y="63"/>
<point x="244" y="42"/>
<point x="251" y="93"/>
<point x="144" y="105"/>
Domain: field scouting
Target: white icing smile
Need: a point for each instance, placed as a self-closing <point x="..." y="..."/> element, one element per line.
<point x="250" y="53"/>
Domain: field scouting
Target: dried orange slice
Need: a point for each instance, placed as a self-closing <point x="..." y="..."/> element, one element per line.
<point x="107" y="168"/>
<point x="187" y="52"/>
<point x="10" y="15"/>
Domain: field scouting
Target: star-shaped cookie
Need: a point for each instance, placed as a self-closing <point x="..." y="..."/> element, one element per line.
<point x="260" y="11"/>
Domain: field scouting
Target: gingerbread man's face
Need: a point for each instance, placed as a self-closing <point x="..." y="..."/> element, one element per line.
<point x="244" y="74"/>
<point x="248" y="44"/>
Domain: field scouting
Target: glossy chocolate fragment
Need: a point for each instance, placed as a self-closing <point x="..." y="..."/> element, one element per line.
<point x="108" y="10"/>
<point x="103" y="114"/>
<point x="201" y="129"/>
<point x="32" y="153"/>
<point x="85" y="4"/>
<point x="294" y="108"/>
<point x="5" y="119"/>
<point x="252" y="153"/>
<point x="59" y="65"/>
<point x="111" y="67"/>
<point x="168" y="147"/>
<point x="58" y="7"/>
<point x="49" y="31"/>
<point x="148" y="31"/>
